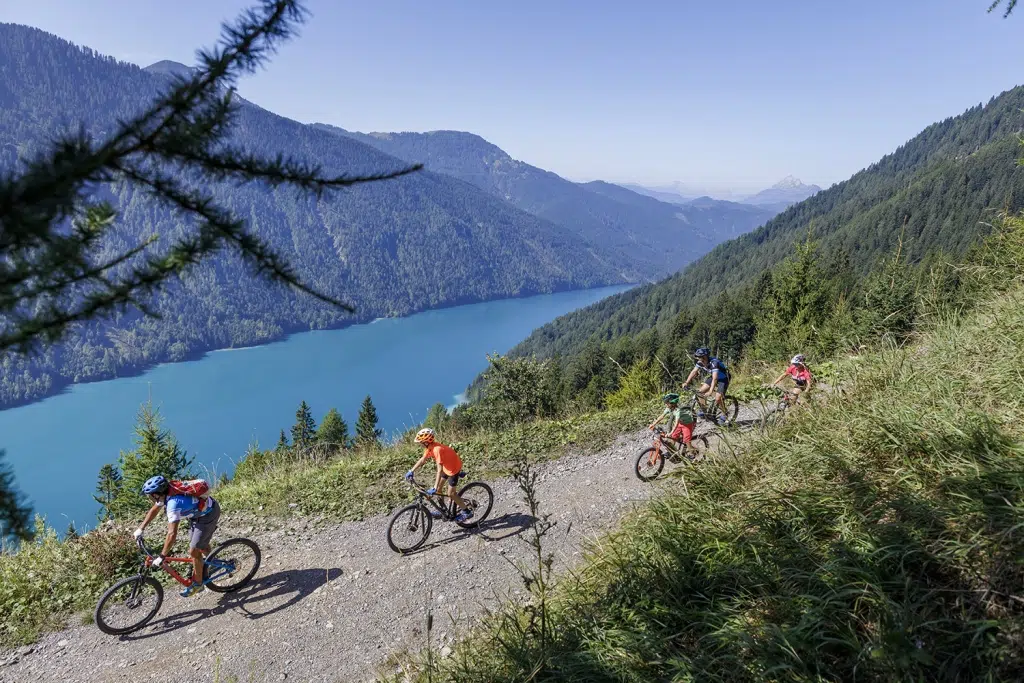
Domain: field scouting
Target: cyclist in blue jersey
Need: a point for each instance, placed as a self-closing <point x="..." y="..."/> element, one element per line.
<point x="203" y="511"/>
<point x="715" y="378"/>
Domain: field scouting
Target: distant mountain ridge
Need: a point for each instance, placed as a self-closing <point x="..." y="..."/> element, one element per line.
<point x="787" y="191"/>
<point x="648" y="237"/>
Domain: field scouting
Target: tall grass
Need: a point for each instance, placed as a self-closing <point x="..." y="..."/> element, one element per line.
<point x="877" y="538"/>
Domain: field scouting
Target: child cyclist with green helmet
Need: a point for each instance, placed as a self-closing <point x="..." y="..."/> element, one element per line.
<point x="682" y="421"/>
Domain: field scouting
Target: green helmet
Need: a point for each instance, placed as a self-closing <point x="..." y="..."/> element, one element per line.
<point x="670" y="398"/>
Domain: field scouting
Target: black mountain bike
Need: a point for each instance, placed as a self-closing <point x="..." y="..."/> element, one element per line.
<point x="651" y="460"/>
<point x="410" y="526"/>
<point x="732" y="408"/>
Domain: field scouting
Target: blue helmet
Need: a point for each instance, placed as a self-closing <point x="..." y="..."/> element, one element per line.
<point x="702" y="351"/>
<point x="157" y="484"/>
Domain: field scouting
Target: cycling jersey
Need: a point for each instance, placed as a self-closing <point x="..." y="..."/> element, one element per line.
<point x="187" y="507"/>
<point x="681" y="415"/>
<point x="446" y="457"/>
<point x="800" y="374"/>
<point x="713" y="364"/>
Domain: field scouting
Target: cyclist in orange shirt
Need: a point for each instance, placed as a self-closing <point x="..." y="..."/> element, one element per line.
<point x="448" y="463"/>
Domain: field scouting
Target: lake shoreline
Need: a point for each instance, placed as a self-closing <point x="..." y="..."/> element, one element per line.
<point x="129" y="371"/>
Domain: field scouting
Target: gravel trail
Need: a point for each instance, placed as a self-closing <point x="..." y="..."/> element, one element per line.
<point x="332" y="602"/>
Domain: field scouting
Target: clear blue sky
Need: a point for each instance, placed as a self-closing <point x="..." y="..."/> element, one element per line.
<point x="734" y="93"/>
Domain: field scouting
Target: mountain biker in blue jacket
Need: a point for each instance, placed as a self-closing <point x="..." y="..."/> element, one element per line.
<point x="715" y="376"/>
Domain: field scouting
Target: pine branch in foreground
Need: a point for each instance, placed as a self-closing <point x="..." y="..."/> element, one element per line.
<point x="51" y="273"/>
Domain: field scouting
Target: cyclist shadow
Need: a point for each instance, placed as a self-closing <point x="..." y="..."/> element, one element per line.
<point x="263" y="596"/>
<point x="512" y="523"/>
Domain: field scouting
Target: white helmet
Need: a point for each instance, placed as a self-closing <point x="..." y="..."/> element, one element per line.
<point x="425" y="436"/>
<point x="798" y="358"/>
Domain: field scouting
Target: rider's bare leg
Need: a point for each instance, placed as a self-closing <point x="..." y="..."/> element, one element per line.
<point x="453" y="494"/>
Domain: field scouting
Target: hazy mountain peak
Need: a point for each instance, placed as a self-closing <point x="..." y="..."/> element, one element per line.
<point x="788" y="183"/>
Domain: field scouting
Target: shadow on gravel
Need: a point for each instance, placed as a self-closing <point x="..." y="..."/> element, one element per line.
<point x="512" y="524"/>
<point x="266" y="595"/>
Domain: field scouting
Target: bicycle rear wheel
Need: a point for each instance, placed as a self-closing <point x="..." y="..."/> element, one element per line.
<point x="128" y="605"/>
<point x="479" y="497"/>
<point x="649" y="464"/>
<point x="698" y="448"/>
<point x="232" y="564"/>
<point x="732" y="409"/>
<point x="409" y="528"/>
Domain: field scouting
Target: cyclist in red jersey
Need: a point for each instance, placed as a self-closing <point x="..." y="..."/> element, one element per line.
<point x="802" y="377"/>
<point x="448" y="464"/>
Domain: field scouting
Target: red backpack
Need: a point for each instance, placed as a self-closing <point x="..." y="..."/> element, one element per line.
<point x="191" y="487"/>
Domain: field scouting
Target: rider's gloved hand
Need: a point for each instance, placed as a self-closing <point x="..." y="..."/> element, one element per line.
<point x="137" y="534"/>
<point x="158" y="560"/>
<point x="408" y="475"/>
<point x="431" y="492"/>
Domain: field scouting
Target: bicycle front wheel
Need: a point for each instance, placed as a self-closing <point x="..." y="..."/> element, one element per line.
<point x="409" y="528"/>
<point x="649" y="464"/>
<point x="128" y="605"/>
<point x="231" y="565"/>
<point x="479" y="497"/>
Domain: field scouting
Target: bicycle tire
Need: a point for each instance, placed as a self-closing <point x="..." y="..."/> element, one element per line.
<point x="657" y="467"/>
<point x="477" y="515"/>
<point x="109" y="593"/>
<point x="699" y="443"/>
<point x="421" y="516"/>
<point x="732" y="409"/>
<point x="220" y="588"/>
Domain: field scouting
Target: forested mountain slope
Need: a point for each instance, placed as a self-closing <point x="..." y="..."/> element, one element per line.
<point x="376" y="245"/>
<point x="655" y="237"/>
<point x="937" y="190"/>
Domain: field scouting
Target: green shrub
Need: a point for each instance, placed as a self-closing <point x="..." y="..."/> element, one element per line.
<point x="47" y="580"/>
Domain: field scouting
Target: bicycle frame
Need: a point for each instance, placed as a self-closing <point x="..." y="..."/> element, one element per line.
<point x="212" y="569"/>
<point x="446" y="513"/>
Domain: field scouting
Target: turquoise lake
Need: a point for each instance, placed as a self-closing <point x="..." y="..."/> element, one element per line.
<point x="228" y="399"/>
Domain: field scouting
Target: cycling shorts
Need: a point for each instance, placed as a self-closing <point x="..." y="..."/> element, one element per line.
<point x="682" y="432"/>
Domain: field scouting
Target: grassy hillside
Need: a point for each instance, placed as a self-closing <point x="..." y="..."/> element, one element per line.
<point x="938" y="190"/>
<point x="876" y="537"/>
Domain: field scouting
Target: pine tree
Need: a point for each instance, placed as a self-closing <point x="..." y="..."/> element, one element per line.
<point x="304" y="429"/>
<point x="367" y="434"/>
<point x="108" y="488"/>
<point x="798" y="302"/>
<point x="156" y="452"/>
<point x="333" y="430"/>
<point x="71" y="533"/>
<point x="15" y="515"/>
<point x="282" y="443"/>
<point x="437" y="417"/>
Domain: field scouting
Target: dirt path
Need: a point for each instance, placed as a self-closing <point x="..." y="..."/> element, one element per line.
<point x="331" y="602"/>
